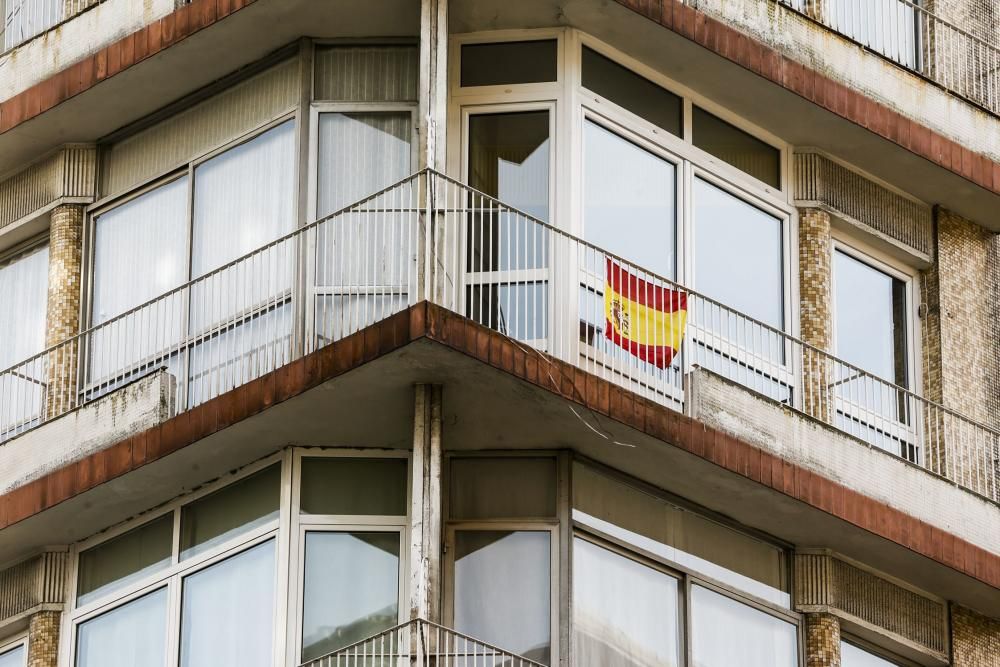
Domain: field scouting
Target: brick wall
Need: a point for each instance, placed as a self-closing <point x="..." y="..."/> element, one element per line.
<point x="822" y="640"/>
<point x="975" y="640"/>
<point x="63" y="309"/>
<point x="43" y="639"/>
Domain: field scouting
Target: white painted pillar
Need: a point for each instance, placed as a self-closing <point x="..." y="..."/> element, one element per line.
<point x="425" y="505"/>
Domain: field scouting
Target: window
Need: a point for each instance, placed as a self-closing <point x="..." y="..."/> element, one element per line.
<point x="23" y="19"/>
<point x="502" y="589"/>
<point x="15" y="655"/>
<point x="352" y="517"/>
<point x="853" y="656"/>
<point x="236" y="324"/>
<point x="508" y="62"/>
<point x="725" y="632"/>
<point x="871" y="316"/>
<point x="23" y="291"/>
<point x="505" y="487"/>
<point x="509" y="159"/>
<point x="624" y="612"/>
<point x="206" y="566"/>
<point x="630" y="91"/>
<point x="731" y="144"/>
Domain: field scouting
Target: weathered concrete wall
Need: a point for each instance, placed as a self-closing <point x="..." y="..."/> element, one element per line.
<point x="53" y="51"/>
<point x="868" y="470"/>
<point x="135" y="407"/>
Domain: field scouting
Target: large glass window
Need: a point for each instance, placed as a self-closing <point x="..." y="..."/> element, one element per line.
<point x="14" y="657"/>
<point x="853" y="656"/>
<point x="132" y="634"/>
<point x="631" y="91"/>
<point x="502" y="589"/>
<point x="350" y="486"/>
<point x="236" y="322"/>
<point x="351" y="588"/>
<point x="509" y="62"/>
<point x="227" y="615"/>
<point x="127" y="558"/>
<point x="23" y="293"/>
<point x="624" y="613"/>
<point x="725" y="632"/>
<point x="502" y="487"/>
<point x="740" y="149"/>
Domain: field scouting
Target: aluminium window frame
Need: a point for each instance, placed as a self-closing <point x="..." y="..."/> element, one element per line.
<point x="312" y="291"/>
<point x="171" y="578"/>
<point x="906" y="435"/>
<point x="300" y="524"/>
<point x="189" y="341"/>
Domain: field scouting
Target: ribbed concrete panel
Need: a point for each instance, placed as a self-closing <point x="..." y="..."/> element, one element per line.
<point x="193" y="132"/>
<point x="366" y="73"/>
<point x="827" y="584"/>
<point x="36" y="582"/>
<point x="68" y="174"/>
<point x="823" y="183"/>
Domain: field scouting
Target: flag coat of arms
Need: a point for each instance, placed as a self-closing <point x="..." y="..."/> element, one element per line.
<point x="645" y="319"/>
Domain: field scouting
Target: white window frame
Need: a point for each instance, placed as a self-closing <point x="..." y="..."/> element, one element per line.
<point x="300" y="524"/>
<point x="172" y="577"/>
<point x="518" y="276"/>
<point x="13" y="643"/>
<point x="313" y="291"/>
<point x="189" y="340"/>
<point x="909" y="435"/>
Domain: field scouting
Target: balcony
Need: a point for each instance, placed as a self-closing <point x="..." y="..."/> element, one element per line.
<point x="421" y="643"/>
<point x="431" y="238"/>
<point x="905" y="33"/>
<point x="25" y="19"/>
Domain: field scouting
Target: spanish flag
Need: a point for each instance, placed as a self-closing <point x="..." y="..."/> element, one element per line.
<point x="642" y="318"/>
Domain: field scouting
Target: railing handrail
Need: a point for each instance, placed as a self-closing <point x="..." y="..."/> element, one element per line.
<point x="417" y="623"/>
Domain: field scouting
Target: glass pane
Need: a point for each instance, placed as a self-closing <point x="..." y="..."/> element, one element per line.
<point x="509" y="159"/>
<point x="631" y="91"/>
<point x="738" y="257"/>
<point x="352" y="486"/>
<point x="725" y="632"/>
<point x="731" y="144"/>
<point x="518" y="310"/>
<point x="502" y="589"/>
<point x="23" y="293"/>
<point x="629" y="201"/>
<point x="871" y="318"/>
<point x="509" y="62"/>
<point x="852" y="656"/>
<point x="624" y="613"/>
<point x="886" y="26"/>
<point x="140" y="251"/>
<point x="502" y="488"/>
<point x="27" y="18"/>
<point x="133" y="634"/>
<point x="235" y="509"/>
<point x="17" y="657"/>
<point x="359" y="154"/>
<point x="681" y="536"/>
<point x="125" y="559"/>
<point x="227" y="615"/>
<point x="351" y="589"/>
<point x="366" y="73"/>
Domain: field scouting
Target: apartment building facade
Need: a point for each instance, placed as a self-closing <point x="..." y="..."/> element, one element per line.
<point x="467" y="332"/>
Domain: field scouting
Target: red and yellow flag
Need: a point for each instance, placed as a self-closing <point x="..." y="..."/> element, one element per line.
<point x="642" y="318"/>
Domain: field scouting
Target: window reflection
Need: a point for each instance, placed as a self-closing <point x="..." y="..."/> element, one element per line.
<point x="725" y="632"/>
<point x="351" y="589"/>
<point x="502" y="590"/>
<point x="624" y="613"/>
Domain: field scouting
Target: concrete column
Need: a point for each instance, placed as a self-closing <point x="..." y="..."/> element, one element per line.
<point x="433" y="83"/>
<point x="62" y="320"/>
<point x="43" y="639"/>
<point x="815" y="295"/>
<point x="425" y="505"/>
<point x="822" y="640"/>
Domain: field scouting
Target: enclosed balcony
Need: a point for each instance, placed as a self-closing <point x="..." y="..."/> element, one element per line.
<point x="432" y="238"/>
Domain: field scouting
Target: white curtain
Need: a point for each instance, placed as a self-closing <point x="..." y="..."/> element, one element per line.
<point x="227" y="617"/>
<point x="23" y="293"/>
<point x="725" y="632"/>
<point x="133" y="634"/>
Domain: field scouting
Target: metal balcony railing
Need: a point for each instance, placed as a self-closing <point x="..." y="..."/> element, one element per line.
<point x="432" y="238"/>
<point x="420" y="643"/>
<point x="24" y="19"/>
<point x="911" y="36"/>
